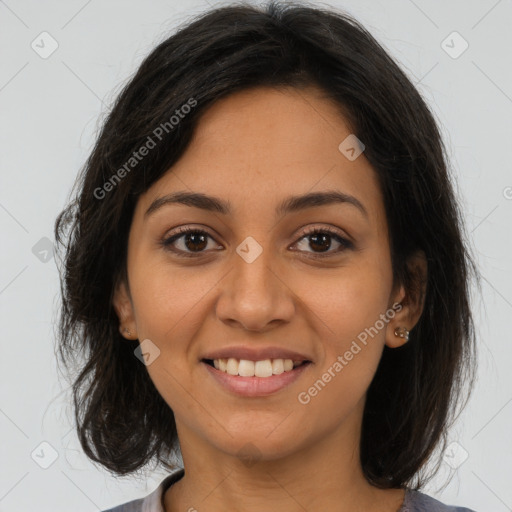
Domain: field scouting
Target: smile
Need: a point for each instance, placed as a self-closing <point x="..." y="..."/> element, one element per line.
<point x="254" y="378"/>
<point x="247" y="368"/>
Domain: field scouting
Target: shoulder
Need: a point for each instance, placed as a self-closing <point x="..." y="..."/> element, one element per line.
<point x="416" y="501"/>
<point x="153" y="501"/>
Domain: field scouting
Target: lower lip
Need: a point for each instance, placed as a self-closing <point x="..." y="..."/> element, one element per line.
<point x="256" y="386"/>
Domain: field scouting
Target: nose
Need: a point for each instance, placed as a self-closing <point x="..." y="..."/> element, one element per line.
<point x="256" y="294"/>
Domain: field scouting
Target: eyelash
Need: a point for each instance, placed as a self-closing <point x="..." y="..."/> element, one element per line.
<point x="167" y="242"/>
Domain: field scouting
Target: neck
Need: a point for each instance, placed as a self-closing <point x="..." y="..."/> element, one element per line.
<point x="326" y="475"/>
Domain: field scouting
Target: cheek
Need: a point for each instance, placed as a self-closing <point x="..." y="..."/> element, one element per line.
<point x="167" y="297"/>
<point x="169" y="306"/>
<point x="352" y="343"/>
<point x="349" y="299"/>
<point x="349" y="307"/>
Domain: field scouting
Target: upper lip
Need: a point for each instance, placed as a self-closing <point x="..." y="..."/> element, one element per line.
<point x="256" y="354"/>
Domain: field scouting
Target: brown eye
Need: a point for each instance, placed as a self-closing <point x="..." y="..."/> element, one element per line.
<point x="320" y="241"/>
<point x="191" y="241"/>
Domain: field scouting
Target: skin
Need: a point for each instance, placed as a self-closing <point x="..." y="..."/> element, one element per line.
<point x="253" y="149"/>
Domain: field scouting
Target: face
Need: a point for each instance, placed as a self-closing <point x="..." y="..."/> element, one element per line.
<point x="311" y="282"/>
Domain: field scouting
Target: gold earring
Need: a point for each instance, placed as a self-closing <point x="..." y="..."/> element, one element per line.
<point x="402" y="332"/>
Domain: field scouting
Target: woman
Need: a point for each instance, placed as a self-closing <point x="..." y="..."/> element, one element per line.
<point x="265" y="270"/>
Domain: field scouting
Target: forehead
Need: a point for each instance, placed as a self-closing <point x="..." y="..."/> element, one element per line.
<point x="256" y="146"/>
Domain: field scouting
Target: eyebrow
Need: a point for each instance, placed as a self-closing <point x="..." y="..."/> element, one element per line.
<point x="288" y="205"/>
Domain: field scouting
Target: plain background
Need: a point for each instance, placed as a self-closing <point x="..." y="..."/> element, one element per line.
<point x="50" y="111"/>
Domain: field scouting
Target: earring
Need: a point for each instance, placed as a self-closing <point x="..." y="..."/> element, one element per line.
<point x="402" y="332"/>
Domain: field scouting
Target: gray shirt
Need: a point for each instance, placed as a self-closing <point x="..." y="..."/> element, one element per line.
<point x="414" y="501"/>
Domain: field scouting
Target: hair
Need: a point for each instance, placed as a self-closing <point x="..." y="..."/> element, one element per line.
<point x="122" y="421"/>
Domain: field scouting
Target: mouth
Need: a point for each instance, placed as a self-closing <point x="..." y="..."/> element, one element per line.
<point x="262" y="369"/>
<point x="247" y="378"/>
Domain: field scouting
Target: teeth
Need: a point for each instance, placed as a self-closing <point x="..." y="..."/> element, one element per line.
<point x="262" y="368"/>
<point x="246" y="368"/>
<point x="232" y="366"/>
<point x="277" y="366"/>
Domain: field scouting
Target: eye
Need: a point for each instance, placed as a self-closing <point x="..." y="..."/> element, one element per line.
<point x="320" y="238"/>
<point x="195" y="241"/>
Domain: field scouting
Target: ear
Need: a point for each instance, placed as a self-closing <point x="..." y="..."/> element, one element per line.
<point x="408" y="304"/>
<point x="123" y="307"/>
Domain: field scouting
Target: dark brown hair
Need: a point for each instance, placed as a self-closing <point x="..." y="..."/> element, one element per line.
<point x="122" y="421"/>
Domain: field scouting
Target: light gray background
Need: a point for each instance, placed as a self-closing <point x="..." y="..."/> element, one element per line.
<point x="50" y="110"/>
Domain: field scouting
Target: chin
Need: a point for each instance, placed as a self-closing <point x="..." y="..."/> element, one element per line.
<point x="251" y="447"/>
